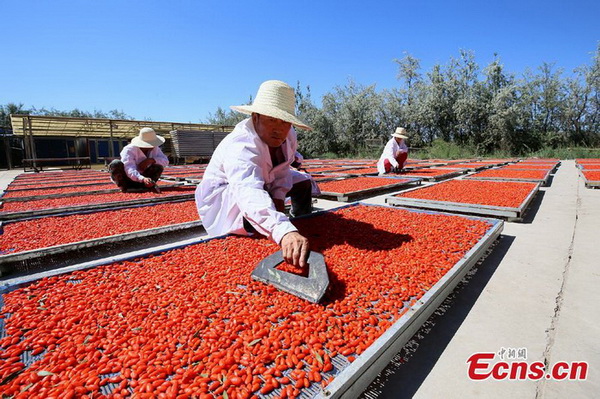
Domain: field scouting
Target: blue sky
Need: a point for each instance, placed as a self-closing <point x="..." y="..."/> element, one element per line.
<point x="179" y="60"/>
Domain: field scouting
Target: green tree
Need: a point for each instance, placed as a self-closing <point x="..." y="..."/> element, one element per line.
<point x="355" y="113"/>
<point x="581" y="113"/>
<point x="321" y="139"/>
<point x="6" y="111"/>
<point x="403" y="106"/>
<point x="225" y="117"/>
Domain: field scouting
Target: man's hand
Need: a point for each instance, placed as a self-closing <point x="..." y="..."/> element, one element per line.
<point x="145" y="164"/>
<point x="279" y="205"/>
<point x="148" y="182"/>
<point x="295" y="248"/>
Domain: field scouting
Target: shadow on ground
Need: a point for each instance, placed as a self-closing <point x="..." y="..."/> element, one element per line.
<point x="534" y="207"/>
<point x="410" y="367"/>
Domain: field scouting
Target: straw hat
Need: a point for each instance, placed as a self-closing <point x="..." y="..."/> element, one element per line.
<point x="147" y="138"/>
<point x="275" y="99"/>
<point x="400" y="133"/>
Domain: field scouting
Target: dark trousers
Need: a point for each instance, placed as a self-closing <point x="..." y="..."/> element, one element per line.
<point x="301" y="195"/>
<point x="120" y="178"/>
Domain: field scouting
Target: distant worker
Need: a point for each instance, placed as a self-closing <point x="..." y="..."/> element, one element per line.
<point x="248" y="177"/>
<point x="142" y="162"/>
<point x="394" y="154"/>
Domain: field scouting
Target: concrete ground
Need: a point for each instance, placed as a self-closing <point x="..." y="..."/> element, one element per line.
<point x="536" y="290"/>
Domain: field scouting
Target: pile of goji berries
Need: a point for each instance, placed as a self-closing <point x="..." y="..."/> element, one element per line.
<point x="185" y="168"/>
<point x="22" y="178"/>
<point x="319" y="177"/>
<point x="468" y="165"/>
<point x="357" y="183"/>
<point x="51" y="231"/>
<point x="590" y="166"/>
<point x="55" y="182"/>
<point x="189" y="175"/>
<point x="62" y="190"/>
<point x="512" y="174"/>
<point x="543" y="166"/>
<point x="359" y="171"/>
<point x="591" y="175"/>
<point x="481" y="192"/>
<point x="192" y="322"/>
<point x="323" y="169"/>
<point x="90" y="199"/>
<point x="429" y="172"/>
<point x="58" y="175"/>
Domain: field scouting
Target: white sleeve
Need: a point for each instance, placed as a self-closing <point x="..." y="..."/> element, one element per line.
<point x="244" y="176"/>
<point x="160" y="158"/>
<point x="283" y="179"/>
<point x="128" y="160"/>
<point x="388" y="152"/>
<point x="282" y="184"/>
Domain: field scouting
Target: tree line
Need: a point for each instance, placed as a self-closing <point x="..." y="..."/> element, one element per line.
<point x="485" y="109"/>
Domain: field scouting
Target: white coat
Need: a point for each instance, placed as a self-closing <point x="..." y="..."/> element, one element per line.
<point x="390" y="152"/>
<point x="240" y="181"/>
<point x="132" y="156"/>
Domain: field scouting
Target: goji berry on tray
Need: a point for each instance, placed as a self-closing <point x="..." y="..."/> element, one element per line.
<point x="468" y="165"/>
<point x="430" y="172"/>
<point x="482" y="192"/>
<point x="62" y="190"/>
<point x="358" y="171"/>
<point x="50" y="175"/>
<point x="511" y="174"/>
<point x="57" y="230"/>
<point x="591" y="175"/>
<point x="191" y="321"/>
<point x="357" y="183"/>
<point x="590" y="166"/>
<point x="90" y="199"/>
<point x="545" y="167"/>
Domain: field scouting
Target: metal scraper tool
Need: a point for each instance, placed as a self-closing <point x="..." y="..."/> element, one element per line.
<point x="311" y="288"/>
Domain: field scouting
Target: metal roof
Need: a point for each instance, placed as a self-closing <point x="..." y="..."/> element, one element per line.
<point x="38" y="126"/>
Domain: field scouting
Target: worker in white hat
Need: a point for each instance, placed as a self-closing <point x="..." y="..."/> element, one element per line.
<point x="142" y="163"/>
<point x="248" y="177"/>
<point x="394" y="154"/>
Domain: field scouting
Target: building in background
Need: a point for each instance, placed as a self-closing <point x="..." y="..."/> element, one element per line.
<point x="42" y="137"/>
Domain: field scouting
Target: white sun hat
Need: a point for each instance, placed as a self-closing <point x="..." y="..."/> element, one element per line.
<point x="147" y="138"/>
<point x="400" y="133"/>
<point x="275" y="99"/>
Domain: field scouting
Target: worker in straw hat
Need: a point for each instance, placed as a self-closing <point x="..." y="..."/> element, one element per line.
<point x="394" y="154"/>
<point x="142" y="162"/>
<point x="248" y="177"/>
